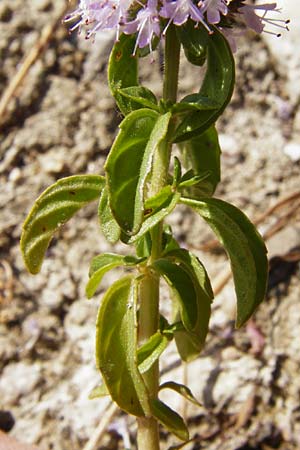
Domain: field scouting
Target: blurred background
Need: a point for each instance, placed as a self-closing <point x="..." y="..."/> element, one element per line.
<point x="57" y="118"/>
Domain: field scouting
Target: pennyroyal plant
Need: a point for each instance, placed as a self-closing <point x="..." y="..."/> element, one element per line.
<point x="138" y="191"/>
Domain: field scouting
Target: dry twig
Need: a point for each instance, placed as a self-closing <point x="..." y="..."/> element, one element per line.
<point x="98" y="434"/>
<point x="28" y="61"/>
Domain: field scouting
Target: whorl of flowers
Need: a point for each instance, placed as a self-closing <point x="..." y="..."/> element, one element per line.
<point x="151" y="18"/>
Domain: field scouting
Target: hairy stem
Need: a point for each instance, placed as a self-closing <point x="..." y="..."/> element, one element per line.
<point x="172" y="57"/>
<point x="148" y="438"/>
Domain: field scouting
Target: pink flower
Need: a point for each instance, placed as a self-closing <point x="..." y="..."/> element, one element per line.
<point x="214" y="9"/>
<point x="178" y="11"/>
<point x="230" y="35"/>
<point x="104" y="14"/>
<point x="145" y="17"/>
<point x="258" y="22"/>
<point x="146" y="24"/>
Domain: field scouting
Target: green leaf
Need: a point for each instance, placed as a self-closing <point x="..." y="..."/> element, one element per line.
<point x="124" y="164"/>
<point x="123" y="72"/>
<point x="129" y="164"/>
<point x="190" y="344"/>
<point x="116" y="344"/>
<point x="143" y="246"/>
<point x="180" y="389"/>
<point x="202" y="154"/>
<point x="102" y="264"/>
<point x="195" y="49"/>
<point x="168" y="241"/>
<point x="245" y="248"/>
<point x="195" y="269"/>
<point x="177" y="172"/>
<point x="52" y="209"/>
<point x="99" y="266"/>
<point x="187" y="345"/>
<point x="99" y="392"/>
<point x="141" y="96"/>
<point x="154" y="203"/>
<point x="217" y="85"/>
<point x="195" y="102"/>
<point x="108" y="225"/>
<point x="157" y="216"/>
<point x="183" y="289"/>
<point x="149" y="352"/>
<point x="193" y="180"/>
<point x="170" y="419"/>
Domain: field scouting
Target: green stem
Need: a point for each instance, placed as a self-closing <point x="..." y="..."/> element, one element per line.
<point x="148" y="437"/>
<point x="172" y="58"/>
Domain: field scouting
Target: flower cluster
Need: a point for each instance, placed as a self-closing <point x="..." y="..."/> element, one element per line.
<point x="151" y="18"/>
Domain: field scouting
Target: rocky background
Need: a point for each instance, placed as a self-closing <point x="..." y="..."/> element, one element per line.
<point x="57" y="119"/>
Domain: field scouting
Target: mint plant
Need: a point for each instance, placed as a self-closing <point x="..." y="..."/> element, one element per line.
<point x="138" y="190"/>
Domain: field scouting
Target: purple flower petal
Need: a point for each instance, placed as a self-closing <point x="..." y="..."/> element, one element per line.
<point x="147" y="24"/>
<point x="214" y="9"/>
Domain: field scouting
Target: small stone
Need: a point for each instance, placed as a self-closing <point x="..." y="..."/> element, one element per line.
<point x="228" y="144"/>
<point x="231" y="353"/>
<point x="18" y="380"/>
<point x="292" y="150"/>
<point x="15" y="174"/>
<point x="53" y="161"/>
<point x="283" y="241"/>
<point x="283" y="48"/>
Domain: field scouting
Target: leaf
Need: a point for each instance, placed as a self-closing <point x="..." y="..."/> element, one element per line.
<point x="177" y="172"/>
<point x="170" y="419"/>
<point x="195" y="49"/>
<point x="180" y="389"/>
<point x="55" y="206"/>
<point x="193" y="180"/>
<point x="217" y="85"/>
<point x="149" y="352"/>
<point x="168" y="241"/>
<point x="143" y="246"/>
<point x="154" y="203"/>
<point x="99" y="266"/>
<point x="129" y="164"/>
<point x="116" y="344"/>
<point x="108" y="225"/>
<point x="195" y="102"/>
<point x="245" y="248"/>
<point x="189" y="344"/>
<point x="195" y="269"/>
<point x="123" y="167"/>
<point x="182" y="288"/>
<point x="99" y="392"/>
<point x="123" y="72"/>
<point x="141" y="96"/>
<point x="158" y="215"/>
<point x="202" y="154"/>
<point x="102" y="264"/>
